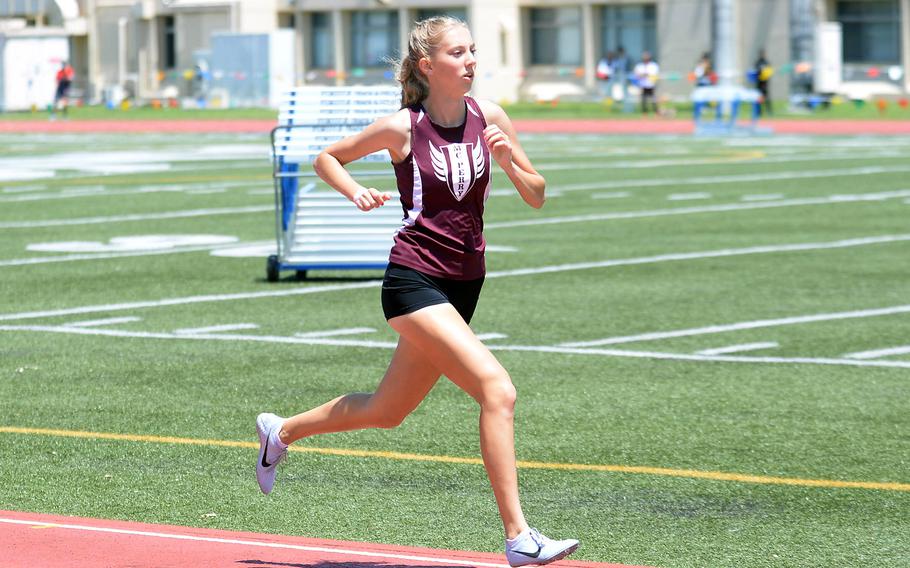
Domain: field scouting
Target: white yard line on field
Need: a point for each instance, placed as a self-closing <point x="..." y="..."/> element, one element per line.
<point x="846" y="243"/>
<point x="745" y="157"/>
<point x="74" y="191"/>
<point x="23" y="188"/>
<point x="613" y="195"/>
<point x="739" y="326"/>
<point x="763" y="197"/>
<point x="827" y="200"/>
<point x="216" y="328"/>
<point x="102" y="256"/>
<point x="740" y="178"/>
<point x="769" y="249"/>
<point x="717" y="358"/>
<point x="393" y="345"/>
<point x="136" y="217"/>
<point x="876" y="353"/>
<point x="335" y="332"/>
<point x="811" y="143"/>
<point x="565" y="188"/>
<point x="723" y="207"/>
<point x="100" y="322"/>
<point x="491" y="336"/>
<point x="738" y="348"/>
<point x="101" y="191"/>
<point x="190" y="300"/>
<point x="688" y="196"/>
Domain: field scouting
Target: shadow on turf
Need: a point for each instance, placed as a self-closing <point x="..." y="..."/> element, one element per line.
<point x="267" y="564"/>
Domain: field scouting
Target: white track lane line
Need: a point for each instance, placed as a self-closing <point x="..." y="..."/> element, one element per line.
<point x="255" y="543"/>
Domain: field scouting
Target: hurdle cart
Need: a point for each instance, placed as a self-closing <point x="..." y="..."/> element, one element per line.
<point x="320" y="228"/>
<point x="727" y="101"/>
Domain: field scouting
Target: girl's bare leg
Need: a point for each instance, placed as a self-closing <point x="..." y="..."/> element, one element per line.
<point x="441" y="335"/>
<point x="407" y="381"/>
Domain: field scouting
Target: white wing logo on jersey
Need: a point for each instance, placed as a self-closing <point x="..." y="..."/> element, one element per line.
<point x="459" y="165"/>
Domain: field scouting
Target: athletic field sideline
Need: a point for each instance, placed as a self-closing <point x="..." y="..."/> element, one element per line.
<point x="709" y="338"/>
<point x="601" y="124"/>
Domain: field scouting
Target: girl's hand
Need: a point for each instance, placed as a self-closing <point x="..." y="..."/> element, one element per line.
<point x="370" y="198"/>
<point x="499" y="144"/>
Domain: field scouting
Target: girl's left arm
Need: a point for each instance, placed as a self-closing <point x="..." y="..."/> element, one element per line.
<point x="502" y="140"/>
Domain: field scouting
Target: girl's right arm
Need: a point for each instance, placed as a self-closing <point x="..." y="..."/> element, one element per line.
<point x="392" y="133"/>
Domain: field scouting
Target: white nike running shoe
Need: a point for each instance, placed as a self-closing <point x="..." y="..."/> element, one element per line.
<point x="531" y="547"/>
<point x="270" y="455"/>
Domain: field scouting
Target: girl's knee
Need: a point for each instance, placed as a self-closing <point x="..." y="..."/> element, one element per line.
<point x="500" y="395"/>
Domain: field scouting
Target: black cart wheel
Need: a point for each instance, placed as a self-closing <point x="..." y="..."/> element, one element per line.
<point x="271" y="268"/>
<point x="301" y="275"/>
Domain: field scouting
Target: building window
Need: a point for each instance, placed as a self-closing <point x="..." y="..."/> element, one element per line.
<point x="374" y="38"/>
<point x="632" y="27"/>
<point x="287" y="20"/>
<point x="169" y="42"/>
<point x="460" y="13"/>
<point x="556" y="36"/>
<point x="871" y="31"/>
<point x="322" y="41"/>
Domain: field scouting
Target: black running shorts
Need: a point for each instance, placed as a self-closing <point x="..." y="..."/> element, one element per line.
<point x="405" y="290"/>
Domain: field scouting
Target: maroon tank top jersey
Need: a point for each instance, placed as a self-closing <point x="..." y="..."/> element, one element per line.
<point x="444" y="183"/>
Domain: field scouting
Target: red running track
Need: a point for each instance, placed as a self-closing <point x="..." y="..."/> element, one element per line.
<point x="626" y="126"/>
<point x="33" y="540"/>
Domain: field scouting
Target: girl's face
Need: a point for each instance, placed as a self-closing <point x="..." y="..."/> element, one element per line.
<point x="451" y="67"/>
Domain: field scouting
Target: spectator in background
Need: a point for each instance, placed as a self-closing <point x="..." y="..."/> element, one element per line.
<point x="64" y="81"/>
<point x="763" y="72"/>
<point x="621" y="68"/>
<point x="704" y="71"/>
<point x="604" y="73"/>
<point x="201" y="78"/>
<point x="647" y="74"/>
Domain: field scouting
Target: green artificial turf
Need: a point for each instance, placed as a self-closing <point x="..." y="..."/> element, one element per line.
<point x="640" y="236"/>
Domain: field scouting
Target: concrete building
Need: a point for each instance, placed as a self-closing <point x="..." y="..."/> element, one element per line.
<point x="527" y="49"/>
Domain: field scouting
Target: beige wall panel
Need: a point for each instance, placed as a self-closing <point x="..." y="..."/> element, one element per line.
<point x="257" y="16"/>
<point x="683" y="34"/>
<point x="496" y="28"/>
<point x="765" y="24"/>
<point x="108" y="43"/>
<point x="194" y="30"/>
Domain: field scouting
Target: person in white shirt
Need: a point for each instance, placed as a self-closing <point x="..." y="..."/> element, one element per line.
<point x="647" y="73"/>
<point x="604" y="74"/>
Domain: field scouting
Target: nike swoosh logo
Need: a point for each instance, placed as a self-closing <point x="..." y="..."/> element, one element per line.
<point x="264" y="453"/>
<point x="530" y="554"/>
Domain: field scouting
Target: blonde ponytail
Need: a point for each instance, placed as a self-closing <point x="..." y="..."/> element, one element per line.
<point x="422" y="42"/>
